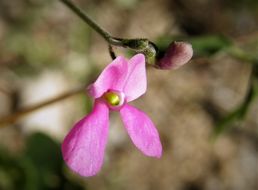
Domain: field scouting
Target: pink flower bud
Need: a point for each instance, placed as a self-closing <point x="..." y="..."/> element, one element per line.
<point x="177" y="54"/>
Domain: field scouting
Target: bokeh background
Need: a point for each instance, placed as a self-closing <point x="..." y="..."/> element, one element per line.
<point x="46" y="50"/>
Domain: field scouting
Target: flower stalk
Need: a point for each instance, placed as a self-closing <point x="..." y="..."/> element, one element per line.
<point x="79" y="12"/>
<point x="138" y="45"/>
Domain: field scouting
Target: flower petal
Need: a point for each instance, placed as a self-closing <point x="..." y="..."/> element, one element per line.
<point x="136" y="82"/>
<point x="142" y="131"/>
<point x="84" y="146"/>
<point x="112" y="77"/>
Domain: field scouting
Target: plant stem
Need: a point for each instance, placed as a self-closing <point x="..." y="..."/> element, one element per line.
<point x="111" y="52"/>
<point x="12" y="118"/>
<point x="91" y="23"/>
<point x="240" y="112"/>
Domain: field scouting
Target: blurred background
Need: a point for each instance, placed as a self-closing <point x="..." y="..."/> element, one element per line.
<point x="46" y="50"/>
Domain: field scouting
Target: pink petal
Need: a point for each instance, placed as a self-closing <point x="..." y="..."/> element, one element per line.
<point x="142" y="131"/>
<point x="136" y="83"/>
<point x="112" y="77"/>
<point x="83" y="148"/>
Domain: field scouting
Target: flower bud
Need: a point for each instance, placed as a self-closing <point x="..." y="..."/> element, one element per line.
<point x="177" y="54"/>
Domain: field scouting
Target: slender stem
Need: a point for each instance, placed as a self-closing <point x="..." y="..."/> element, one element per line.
<point x="240" y="112"/>
<point x="242" y="55"/>
<point x="111" y="52"/>
<point x="91" y="23"/>
<point x="12" y="118"/>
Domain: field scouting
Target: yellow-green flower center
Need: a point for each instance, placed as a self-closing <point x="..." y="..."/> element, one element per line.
<point x="112" y="98"/>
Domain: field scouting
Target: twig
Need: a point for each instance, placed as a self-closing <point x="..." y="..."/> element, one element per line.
<point x="12" y="118"/>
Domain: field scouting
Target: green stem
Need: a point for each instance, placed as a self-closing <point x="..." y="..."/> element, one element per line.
<point x="242" y="55"/>
<point x="241" y="111"/>
<point x="92" y="24"/>
<point x="137" y="45"/>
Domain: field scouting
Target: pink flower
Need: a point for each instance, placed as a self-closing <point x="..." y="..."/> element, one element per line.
<point x="120" y="82"/>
